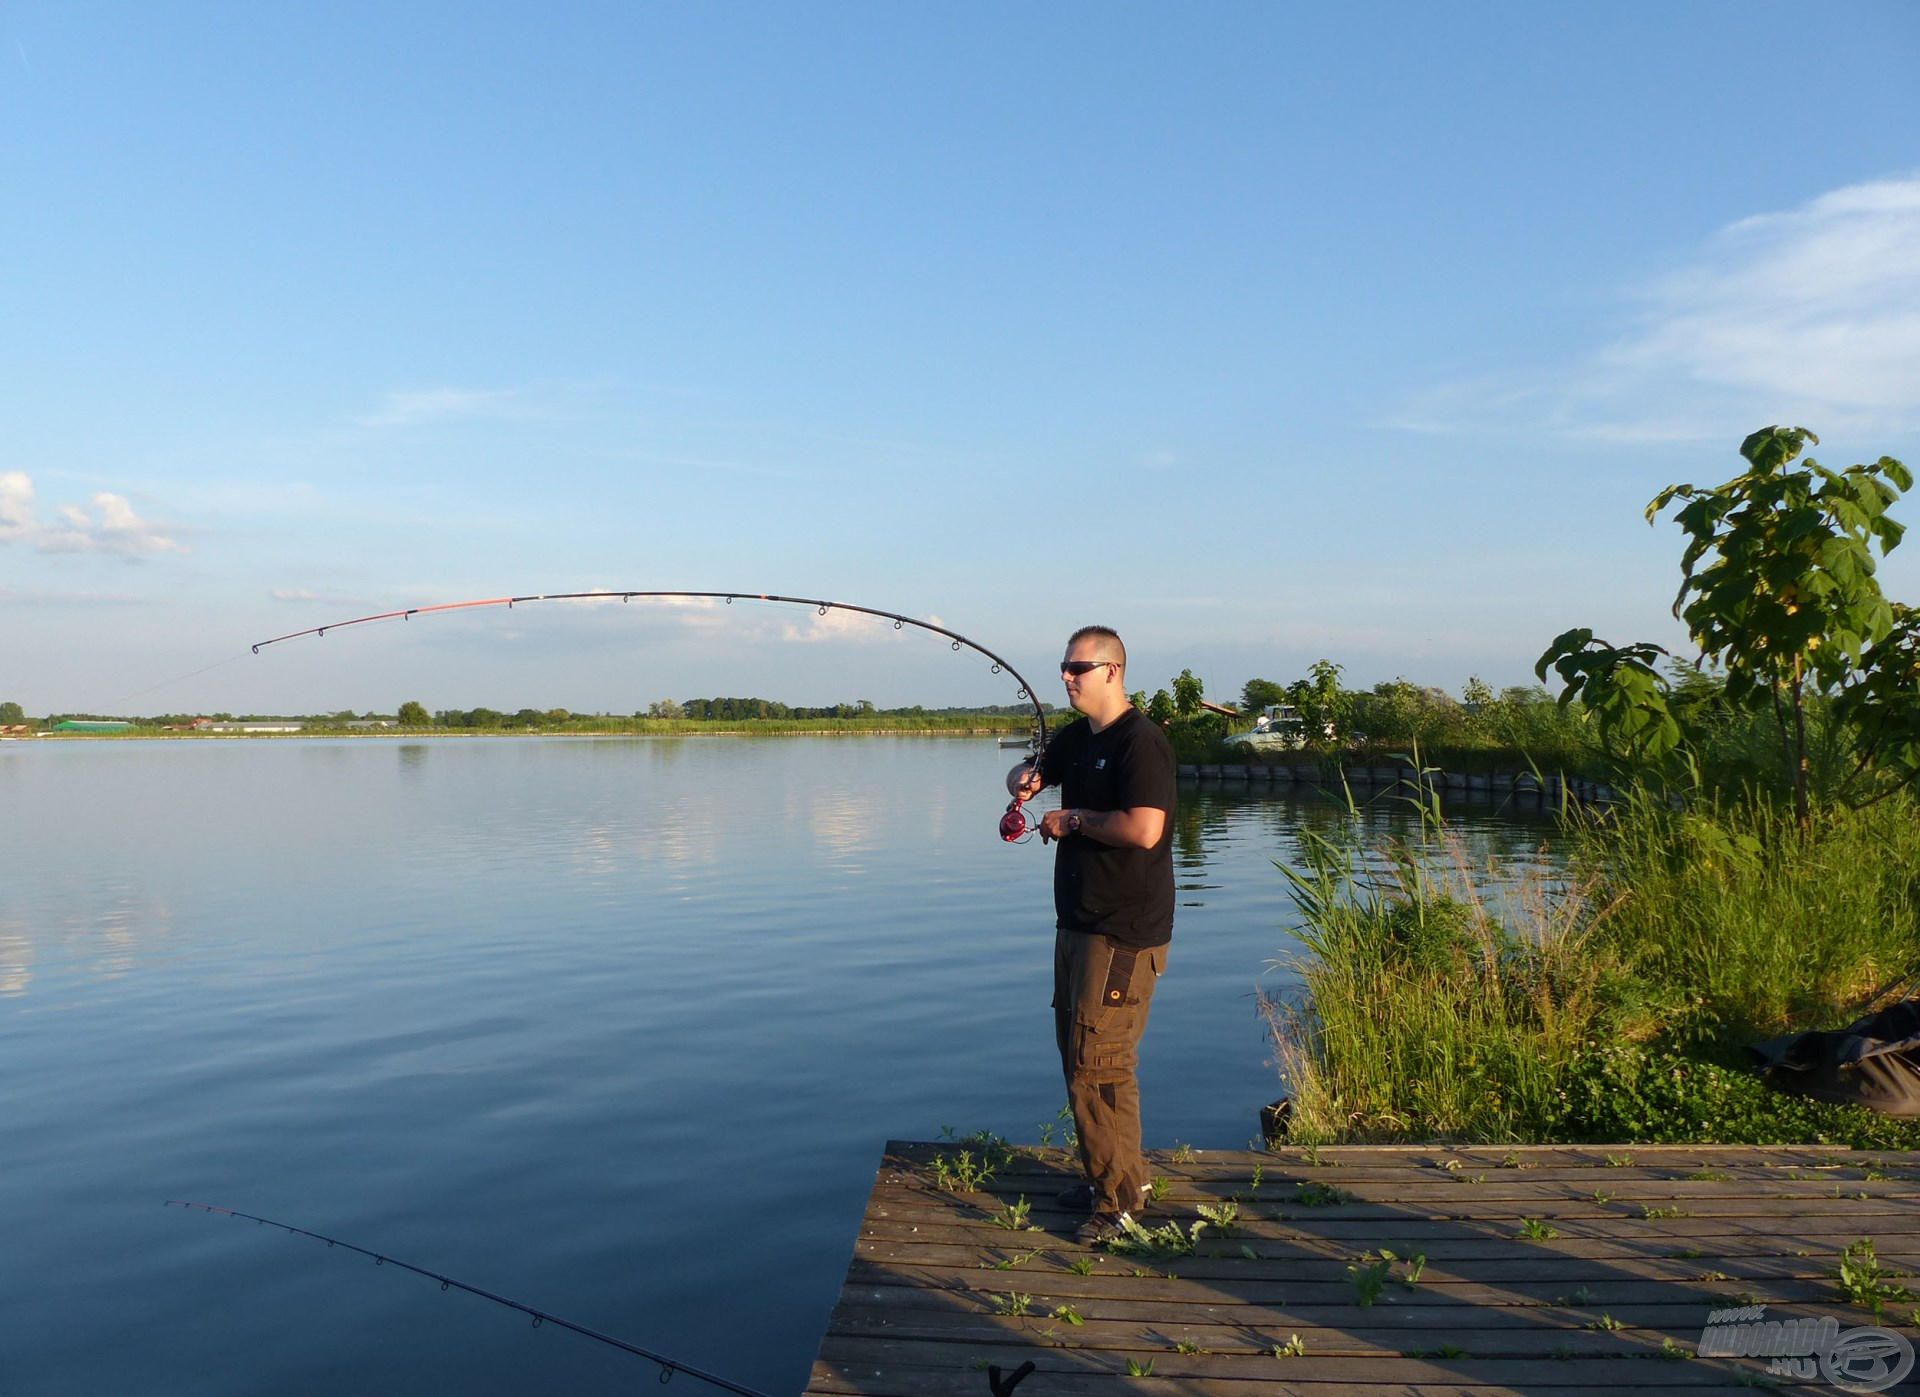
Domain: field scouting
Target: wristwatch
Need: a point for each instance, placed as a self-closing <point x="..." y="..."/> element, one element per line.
<point x="1073" y="822"/>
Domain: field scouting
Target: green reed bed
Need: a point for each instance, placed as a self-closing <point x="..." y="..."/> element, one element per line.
<point x="1612" y="1004"/>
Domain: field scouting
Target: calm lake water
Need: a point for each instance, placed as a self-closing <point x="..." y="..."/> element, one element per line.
<point x="614" y="1027"/>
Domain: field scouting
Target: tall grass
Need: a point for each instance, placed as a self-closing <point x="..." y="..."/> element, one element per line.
<point x="1442" y="1001"/>
<point x="1735" y="925"/>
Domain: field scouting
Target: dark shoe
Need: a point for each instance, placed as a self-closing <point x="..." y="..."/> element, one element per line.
<point x="1079" y="1198"/>
<point x="1102" y="1228"/>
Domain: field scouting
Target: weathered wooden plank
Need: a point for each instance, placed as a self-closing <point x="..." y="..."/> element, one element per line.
<point x="1560" y="1346"/>
<point x="1651" y="1234"/>
<point x="1209" y="1163"/>
<point x="1206" y="1375"/>
<point x="1459" y="1203"/>
<point x="880" y="1307"/>
<point x="1439" y="1168"/>
<point x="881" y="1379"/>
<point x="1435" y="1190"/>
<point x="1553" y="1256"/>
<point x="936" y="1284"/>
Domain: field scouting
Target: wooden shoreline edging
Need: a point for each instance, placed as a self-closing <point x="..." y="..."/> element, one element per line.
<point x="1353" y="1270"/>
<point x="1550" y="787"/>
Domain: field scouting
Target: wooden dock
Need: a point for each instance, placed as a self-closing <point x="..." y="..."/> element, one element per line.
<point x="1541" y="1269"/>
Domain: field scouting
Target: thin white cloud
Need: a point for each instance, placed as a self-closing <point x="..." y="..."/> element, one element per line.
<point x="836" y="624"/>
<point x="307" y="596"/>
<point x="110" y="525"/>
<point x="16" y="504"/>
<point x="1819" y="304"/>
<point x="414" y="407"/>
<point x="1808" y="315"/>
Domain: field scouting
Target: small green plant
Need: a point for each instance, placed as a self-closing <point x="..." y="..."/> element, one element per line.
<point x="1294" y="1347"/>
<point x="1182" y="1153"/>
<point x="1714" y="1176"/>
<point x="1158" y="1187"/>
<point x="1416" y="1267"/>
<point x="1012" y="1304"/>
<point x="1863" y="1281"/>
<point x="962" y="1172"/>
<point x="1711" y="1276"/>
<point x="1648" y="1211"/>
<point x="1452" y="1166"/>
<point x="1535" y="1230"/>
<point x="1368" y="1280"/>
<point x="1013" y="1216"/>
<point x="1582" y="1296"/>
<point x="1259" y="1173"/>
<point x="1318" y="1195"/>
<point x="1069" y="1315"/>
<point x="1451" y="1351"/>
<point x="1248" y="1252"/>
<point x="1186" y="1346"/>
<point x="1137" y="1369"/>
<point x="1083" y="1265"/>
<point x="1606" y="1322"/>
<point x="1218" y="1218"/>
<point x="1155" y="1243"/>
<point x="1602" y="1196"/>
<point x="1619" y="1161"/>
<point x="1673" y="1352"/>
<point x="1015" y="1260"/>
<point x="1694" y="1253"/>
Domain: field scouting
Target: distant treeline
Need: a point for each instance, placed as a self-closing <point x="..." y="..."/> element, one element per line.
<point x="664" y="715"/>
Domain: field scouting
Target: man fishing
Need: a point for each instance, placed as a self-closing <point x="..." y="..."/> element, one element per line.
<point x="1113" y="907"/>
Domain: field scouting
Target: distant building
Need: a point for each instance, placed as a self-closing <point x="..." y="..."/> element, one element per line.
<point x="91" y="725"/>
<point x="267" y="725"/>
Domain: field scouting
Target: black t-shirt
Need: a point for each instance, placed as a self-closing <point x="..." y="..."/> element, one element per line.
<point x="1123" y="893"/>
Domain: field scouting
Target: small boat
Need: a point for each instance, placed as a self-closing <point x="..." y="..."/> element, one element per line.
<point x="1026" y="742"/>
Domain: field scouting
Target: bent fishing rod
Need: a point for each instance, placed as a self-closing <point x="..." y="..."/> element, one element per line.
<point x="1014" y="825"/>
<point x="668" y="1366"/>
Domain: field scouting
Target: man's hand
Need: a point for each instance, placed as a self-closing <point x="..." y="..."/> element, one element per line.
<point x="1023" y="782"/>
<point x="1137" y="828"/>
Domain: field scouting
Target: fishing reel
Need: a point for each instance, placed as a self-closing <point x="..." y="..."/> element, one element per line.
<point x="1015" y="828"/>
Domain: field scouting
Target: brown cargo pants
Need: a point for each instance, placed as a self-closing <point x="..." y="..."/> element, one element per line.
<point x="1101" y="993"/>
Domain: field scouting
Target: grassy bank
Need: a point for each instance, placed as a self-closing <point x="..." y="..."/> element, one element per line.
<point x="1612" y="1005"/>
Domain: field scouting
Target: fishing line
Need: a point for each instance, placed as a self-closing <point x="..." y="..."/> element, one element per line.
<point x="668" y="1366"/>
<point x="1015" y="825"/>
<point x="177" y="679"/>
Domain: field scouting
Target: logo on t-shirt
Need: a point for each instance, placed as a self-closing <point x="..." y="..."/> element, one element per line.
<point x="1100" y="764"/>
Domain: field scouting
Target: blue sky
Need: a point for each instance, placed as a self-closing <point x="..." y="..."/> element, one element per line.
<point x="1261" y="332"/>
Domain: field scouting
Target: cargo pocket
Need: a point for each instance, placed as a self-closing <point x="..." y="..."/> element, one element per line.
<point x="1117" y="996"/>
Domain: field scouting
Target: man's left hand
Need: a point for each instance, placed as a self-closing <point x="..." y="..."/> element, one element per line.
<point x="1053" y="825"/>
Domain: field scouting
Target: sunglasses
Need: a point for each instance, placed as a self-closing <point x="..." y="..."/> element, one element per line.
<point x="1080" y="667"/>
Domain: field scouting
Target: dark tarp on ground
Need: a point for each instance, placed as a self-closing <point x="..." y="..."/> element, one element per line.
<point x="1873" y="1063"/>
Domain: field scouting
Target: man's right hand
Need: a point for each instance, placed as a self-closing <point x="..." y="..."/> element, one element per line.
<point x="1023" y="782"/>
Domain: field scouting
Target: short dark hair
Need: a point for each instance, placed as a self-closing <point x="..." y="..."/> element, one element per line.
<point x="1105" y="633"/>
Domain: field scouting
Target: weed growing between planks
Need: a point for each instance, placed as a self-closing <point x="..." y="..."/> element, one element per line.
<point x="1863" y="1281"/>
